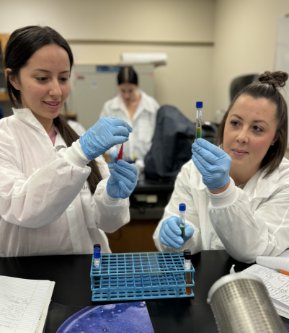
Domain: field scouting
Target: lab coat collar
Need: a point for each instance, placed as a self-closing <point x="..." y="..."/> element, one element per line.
<point x="26" y="116"/>
<point x="117" y="103"/>
<point x="261" y="187"/>
<point x="144" y="103"/>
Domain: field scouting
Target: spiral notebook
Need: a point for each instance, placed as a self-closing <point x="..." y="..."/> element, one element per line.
<point x="24" y="304"/>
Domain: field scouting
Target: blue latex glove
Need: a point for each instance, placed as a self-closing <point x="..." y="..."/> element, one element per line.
<point x="212" y="162"/>
<point x="123" y="179"/>
<point x="104" y="134"/>
<point x="171" y="234"/>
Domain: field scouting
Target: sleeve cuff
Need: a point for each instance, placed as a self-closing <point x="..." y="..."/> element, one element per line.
<point x="107" y="200"/>
<point x="75" y="155"/>
<point x="226" y="198"/>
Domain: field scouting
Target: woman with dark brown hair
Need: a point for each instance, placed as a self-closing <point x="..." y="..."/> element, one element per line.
<point x="138" y="109"/>
<point x="57" y="195"/>
<point x="237" y="194"/>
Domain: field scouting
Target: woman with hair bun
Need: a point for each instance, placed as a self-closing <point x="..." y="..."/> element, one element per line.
<point x="237" y="193"/>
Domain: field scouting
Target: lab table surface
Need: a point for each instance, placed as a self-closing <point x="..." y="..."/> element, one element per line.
<point x="72" y="290"/>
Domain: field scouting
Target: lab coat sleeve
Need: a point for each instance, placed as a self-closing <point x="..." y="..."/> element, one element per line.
<point x="182" y="193"/>
<point x="40" y="198"/>
<point x="249" y="230"/>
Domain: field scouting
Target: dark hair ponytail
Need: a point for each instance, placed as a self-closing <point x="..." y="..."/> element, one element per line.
<point x="69" y="136"/>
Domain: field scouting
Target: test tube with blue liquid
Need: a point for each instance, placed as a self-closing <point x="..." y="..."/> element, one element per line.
<point x="199" y="119"/>
<point x="182" y="211"/>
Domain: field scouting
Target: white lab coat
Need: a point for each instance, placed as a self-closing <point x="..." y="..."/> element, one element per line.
<point x="246" y="222"/>
<point x="143" y="123"/>
<point x="46" y="207"/>
<point x="76" y="126"/>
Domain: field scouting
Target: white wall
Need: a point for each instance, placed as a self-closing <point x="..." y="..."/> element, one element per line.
<point x="208" y="42"/>
<point x="245" y="41"/>
<point x="104" y="29"/>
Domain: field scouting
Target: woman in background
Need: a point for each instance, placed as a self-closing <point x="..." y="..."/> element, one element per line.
<point x="56" y="193"/>
<point x="237" y="194"/>
<point x="138" y="109"/>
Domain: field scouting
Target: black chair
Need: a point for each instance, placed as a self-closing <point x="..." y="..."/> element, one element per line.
<point x="240" y="82"/>
<point x="210" y="131"/>
<point x="172" y="143"/>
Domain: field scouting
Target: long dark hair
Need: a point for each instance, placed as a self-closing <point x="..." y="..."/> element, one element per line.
<point x="127" y="74"/>
<point x="22" y="44"/>
<point x="267" y="86"/>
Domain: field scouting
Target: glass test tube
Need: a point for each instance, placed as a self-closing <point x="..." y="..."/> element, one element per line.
<point x="188" y="273"/>
<point x="96" y="255"/>
<point x="182" y="210"/>
<point x="199" y="119"/>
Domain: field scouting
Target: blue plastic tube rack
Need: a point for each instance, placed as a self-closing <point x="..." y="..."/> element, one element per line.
<point x="140" y="276"/>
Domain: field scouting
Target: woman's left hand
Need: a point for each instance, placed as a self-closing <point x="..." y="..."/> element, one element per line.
<point x="123" y="179"/>
<point x="212" y="162"/>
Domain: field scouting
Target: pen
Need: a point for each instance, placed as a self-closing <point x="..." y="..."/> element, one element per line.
<point x="120" y="153"/>
<point x="283" y="271"/>
<point x="277" y="263"/>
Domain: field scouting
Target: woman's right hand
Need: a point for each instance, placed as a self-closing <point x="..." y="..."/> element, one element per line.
<point x="104" y="134"/>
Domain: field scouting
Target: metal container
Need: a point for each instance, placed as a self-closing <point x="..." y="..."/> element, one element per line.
<point x="241" y="304"/>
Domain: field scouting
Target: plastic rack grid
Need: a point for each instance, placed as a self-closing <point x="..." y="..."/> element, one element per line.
<point x="141" y="275"/>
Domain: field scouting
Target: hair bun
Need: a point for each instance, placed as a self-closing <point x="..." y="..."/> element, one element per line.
<point x="276" y="79"/>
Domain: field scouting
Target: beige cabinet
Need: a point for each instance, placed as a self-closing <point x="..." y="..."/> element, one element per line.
<point x="136" y="236"/>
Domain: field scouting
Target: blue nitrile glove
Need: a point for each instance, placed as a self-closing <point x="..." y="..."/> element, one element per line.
<point x="104" y="134"/>
<point x="171" y="234"/>
<point x="212" y="162"/>
<point x="122" y="180"/>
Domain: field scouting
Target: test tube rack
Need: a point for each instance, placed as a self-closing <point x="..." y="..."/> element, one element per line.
<point x="140" y="276"/>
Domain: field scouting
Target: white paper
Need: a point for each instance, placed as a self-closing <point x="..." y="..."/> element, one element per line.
<point x="24" y="304"/>
<point x="277" y="285"/>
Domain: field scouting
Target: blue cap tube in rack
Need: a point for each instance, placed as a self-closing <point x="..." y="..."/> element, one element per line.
<point x="187" y="268"/>
<point x="96" y="255"/>
<point x="199" y="119"/>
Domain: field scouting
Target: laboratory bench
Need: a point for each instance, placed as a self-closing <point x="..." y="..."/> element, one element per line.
<point x="72" y="290"/>
<point x="147" y="203"/>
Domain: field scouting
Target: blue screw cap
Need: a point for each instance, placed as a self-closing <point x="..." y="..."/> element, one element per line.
<point x="97" y="251"/>
<point x="182" y="207"/>
<point x="199" y="105"/>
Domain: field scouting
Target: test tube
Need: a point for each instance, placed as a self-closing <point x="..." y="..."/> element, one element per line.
<point x="182" y="210"/>
<point x="120" y="153"/>
<point x="199" y="119"/>
<point x="96" y="255"/>
<point x="188" y="273"/>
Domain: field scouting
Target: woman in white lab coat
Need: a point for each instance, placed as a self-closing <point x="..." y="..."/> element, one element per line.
<point x="138" y="109"/>
<point x="237" y="195"/>
<point x="54" y="197"/>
